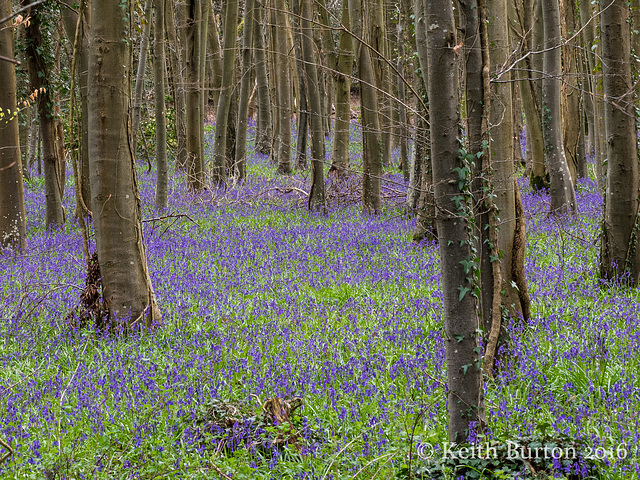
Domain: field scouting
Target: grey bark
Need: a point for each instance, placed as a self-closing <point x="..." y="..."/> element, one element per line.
<point x="159" y="72"/>
<point x="563" y="197"/>
<point x="12" y="213"/>
<point x="117" y="215"/>
<point x="620" y="255"/>
<point x="245" y="91"/>
<point x="464" y="373"/>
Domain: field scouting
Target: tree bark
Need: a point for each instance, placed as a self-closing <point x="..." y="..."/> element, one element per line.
<point x="159" y="72"/>
<point x="464" y="373"/>
<point x="126" y="283"/>
<point x="12" y="213"/>
<point x="620" y="255"/>
<point x="70" y="21"/>
<point x="563" y="197"/>
<point x="245" y="91"/>
<point x="283" y="92"/>
<point x="142" y="63"/>
<point x="303" y="107"/>
<point x="40" y="76"/>
<point x="371" y="139"/>
<point x="263" y="121"/>
<point x="316" y="195"/>
<point x="194" y="114"/>
<point x="340" y="151"/>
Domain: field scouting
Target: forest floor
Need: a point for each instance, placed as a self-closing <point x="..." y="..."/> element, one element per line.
<point x="299" y="346"/>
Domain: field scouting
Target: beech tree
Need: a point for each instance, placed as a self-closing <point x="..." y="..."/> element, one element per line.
<point x="12" y="213"/>
<point x="620" y="255"/>
<point x="563" y="195"/>
<point x="115" y="203"/>
<point x="453" y="219"/>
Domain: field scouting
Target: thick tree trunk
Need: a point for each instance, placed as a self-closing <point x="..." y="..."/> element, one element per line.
<point x="194" y="114"/>
<point x="371" y="139"/>
<point x="115" y="202"/>
<point x="464" y="373"/>
<point x="12" y="213"/>
<point x="377" y="39"/>
<point x="340" y="151"/>
<point x="159" y="72"/>
<point x="40" y="76"/>
<point x="620" y="255"/>
<point x="245" y="91"/>
<point x="563" y="197"/>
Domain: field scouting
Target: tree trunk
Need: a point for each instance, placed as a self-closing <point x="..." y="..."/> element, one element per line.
<point x="263" y="122"/>
<point x="176" y="83"/>
<point x="376" y="32"/>
<point x="159" y="72"/>
<point x="195" y="135"/>
<point x="70" y="21"/>
<point x="214" y="55"/>
<point x="464" y="373"/>
<point x="245" y="91"/>
<point x="12" y="213"/>
<point x="126" y="283"/>
<point x="371" y="139"/>
<point x="340" y="151"/>
<point x="40" y="76"/>
<point x="402" y="129"/>
<point x="316" y="195"/>
<point x="224" y="102"/>
<point x="303" y="107"/>
<point x="571" y="110"/>
<point x="142" y="63"/>
<point x="283" y="85"/>
<point x="563" y="197"/>
<point x="595" y="80"/>
<point x="620" y="255"/>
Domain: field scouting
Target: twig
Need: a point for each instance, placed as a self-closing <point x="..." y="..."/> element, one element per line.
<point x="9" y="451"/>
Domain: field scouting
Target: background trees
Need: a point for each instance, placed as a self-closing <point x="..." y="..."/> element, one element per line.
<point x="349" y="56"/>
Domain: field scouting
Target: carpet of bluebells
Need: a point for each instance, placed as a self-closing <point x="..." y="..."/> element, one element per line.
<point x="262" y="299"/>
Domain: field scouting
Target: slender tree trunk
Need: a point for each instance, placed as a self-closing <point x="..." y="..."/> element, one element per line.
<point x="12" y="213"/>
<point x="126" y="283"/>
<point x="563" y="197"/>
<point x="195" y="135"/>
<point x="620" y="255"/>
<point x="245" y="91"/>
<point x="402" y="129"/>
<point x="340" y="151"/>
<point x="316" y="195"/>
<point x="159" y="72"/>
<point x="464" y="373"/>
<point x="142" y="63"/>
<point x="40" y="76"/>
<point x="377" y="39"/>
<point x="70" y="21"/>
<point x="303" y="107"/>
<point x="571" y="110"/>
<point x="595" y="81"/>
<point x="263" y="122"/>
<point x="283" y="86"/>
<point x="224" y="103"/>
<point x="176" y="62"/>
<point x="214" y="54"/>
<point x="371" y="139"/>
